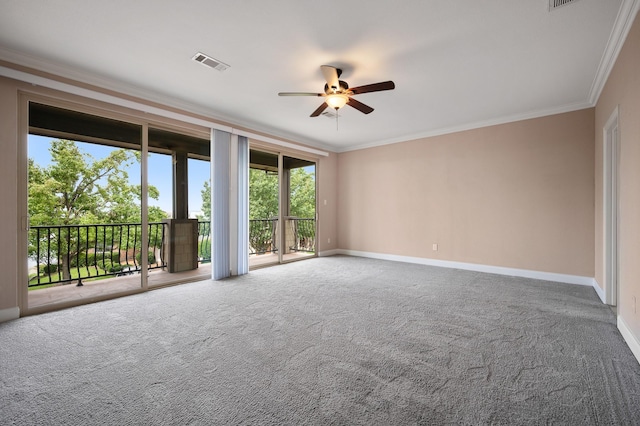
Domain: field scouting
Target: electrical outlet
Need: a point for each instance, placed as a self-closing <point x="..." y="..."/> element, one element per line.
<point x="435" y="247"/>
<point x="634" y="305"/>
<point x="328" y="240"/>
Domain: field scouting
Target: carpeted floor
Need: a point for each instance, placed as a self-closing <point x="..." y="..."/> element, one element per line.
<point x="327" y="341"/>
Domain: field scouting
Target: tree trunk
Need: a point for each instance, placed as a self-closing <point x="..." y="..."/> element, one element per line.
<point x="64" y="267"/>
<point x="63" y="256"/>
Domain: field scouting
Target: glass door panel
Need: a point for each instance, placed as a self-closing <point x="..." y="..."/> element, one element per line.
<point x="83" y="203"/>
<point x="159" y="212"/>
<point x="263" y="208"/>
<point x="200" y="208"/>
<point x="179" y="235"/>
<point x="298" y="208"/>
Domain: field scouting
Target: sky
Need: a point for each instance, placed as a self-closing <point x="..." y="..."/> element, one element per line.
<point x="159" y="165"/>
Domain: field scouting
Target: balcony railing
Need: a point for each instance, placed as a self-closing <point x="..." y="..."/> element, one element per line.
<point x="304" y="231"/>
<point x="262" y="236"/>
<point x="300" y="235"/>
<point x="204" y="242"/>
<point x="73" y="253"/>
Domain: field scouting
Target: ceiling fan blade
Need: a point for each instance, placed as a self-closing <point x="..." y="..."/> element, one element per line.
<point x="375" y="87"/>
<point x="318" y="111"/>
<point x="300" y="94"/>
<point x="359" y="106"/>
<point x="331" y="75"/>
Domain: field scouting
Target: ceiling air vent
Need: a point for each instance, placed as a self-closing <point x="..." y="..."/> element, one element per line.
<point x="210" y="62"/>
<point x="554" y="4"/>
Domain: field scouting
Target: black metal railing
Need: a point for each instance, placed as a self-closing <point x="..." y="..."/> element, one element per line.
<point x="73" y="253"/>
<point x="304" y="231"/>
<point x="204" y="242"/>
<point x="300" y="235"/>
<point x="262" y="236"/>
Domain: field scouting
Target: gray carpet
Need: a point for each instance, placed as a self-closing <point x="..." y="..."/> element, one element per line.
<point x="327" y="341"/>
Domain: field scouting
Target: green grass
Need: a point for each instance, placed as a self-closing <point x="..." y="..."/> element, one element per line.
<point x="76" y="273"/>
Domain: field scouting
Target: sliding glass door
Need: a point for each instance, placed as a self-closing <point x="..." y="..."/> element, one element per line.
<point x="84" y="237"/>
<point x="264" y="188"/>
<point x="117" y="205"/>
<point x="282" y="208"/>
<point x="179" y="207"/>
<point x="90" y="232"/>
<point x="298" y="208"/>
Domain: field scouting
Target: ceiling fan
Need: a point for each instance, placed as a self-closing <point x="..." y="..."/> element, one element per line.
<point x="338" y="94"/>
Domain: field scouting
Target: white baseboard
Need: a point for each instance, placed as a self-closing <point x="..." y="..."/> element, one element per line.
<point x="628" y="337"/>
<point x="9" y="314"/>
<point x="524" y="273"/>
<point x="599" y="291"/>
<point x="328" y="253"/>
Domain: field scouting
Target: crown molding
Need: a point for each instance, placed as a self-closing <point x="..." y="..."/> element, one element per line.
<point x="35" y="65"/>
<point x="471" y="126"/>
<point x="621" y="27"/>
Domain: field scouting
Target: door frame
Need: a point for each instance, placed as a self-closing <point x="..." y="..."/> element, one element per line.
<point x="109" y="111"/>
<point x="611" y="205"/>
<point x="283" y="195"/>
<point x="72" y="104"/>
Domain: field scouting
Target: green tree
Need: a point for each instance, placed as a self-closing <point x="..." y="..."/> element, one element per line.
<point x="206" y="200"/>
<point x="263" y="203"/>
<point x="302" y="194"/>
<point x="78" y="189"/>
<point x="263" y="194"/>
<point x="302" y="201"/>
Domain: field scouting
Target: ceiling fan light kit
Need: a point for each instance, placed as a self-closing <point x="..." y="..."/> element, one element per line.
<point x="338" y="94"/>
<point x="337" y="101"/>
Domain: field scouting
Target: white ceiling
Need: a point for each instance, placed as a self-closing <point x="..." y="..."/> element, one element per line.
<point x="456" y="64"/>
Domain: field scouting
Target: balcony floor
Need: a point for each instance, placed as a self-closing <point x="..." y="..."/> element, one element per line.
<point x="67" y="295"/>
<point x="259" y="260"/>
<point x="95" y="290"/>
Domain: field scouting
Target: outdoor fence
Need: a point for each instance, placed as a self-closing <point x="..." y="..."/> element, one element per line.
<point x="262" y="236"/>
<point x="304" y="231"/>
<point x="300" y="235"/>
<point x="73" y="253"/>
<point x="204" y="242"/>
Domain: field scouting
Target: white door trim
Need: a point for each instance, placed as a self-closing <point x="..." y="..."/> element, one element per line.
<point x="610" y="173"/>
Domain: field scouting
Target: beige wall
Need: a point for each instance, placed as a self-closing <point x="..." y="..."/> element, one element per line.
<point x="327" y="203"/>
<point x="517" y="195"/>
<point x="623" y="90"/>
<point x="8" y="195"/>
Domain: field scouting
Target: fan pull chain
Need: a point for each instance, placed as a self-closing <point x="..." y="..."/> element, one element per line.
<point x="336" y="119"/>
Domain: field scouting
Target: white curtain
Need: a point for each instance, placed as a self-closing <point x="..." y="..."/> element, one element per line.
<point x="243" y="206"/>
<point x="220" y="162"/>
<point x="229" y="204"/>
